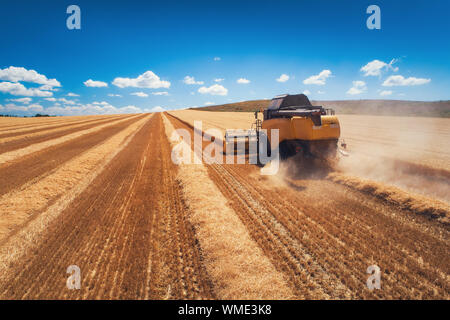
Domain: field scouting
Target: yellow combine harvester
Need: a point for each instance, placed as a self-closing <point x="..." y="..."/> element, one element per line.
<point x="311" y="131"/>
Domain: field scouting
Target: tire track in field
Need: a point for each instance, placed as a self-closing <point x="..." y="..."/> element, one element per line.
<point x="40" y="164"/>
<point x="324" y="236"/>
<point x="126" y="231"/>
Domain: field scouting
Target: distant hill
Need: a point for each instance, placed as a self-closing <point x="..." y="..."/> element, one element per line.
<point x="369" y="107"/>
<point x="37" y="115"/>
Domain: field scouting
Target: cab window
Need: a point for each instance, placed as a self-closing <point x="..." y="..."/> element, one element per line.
<point x="275" y="104"/>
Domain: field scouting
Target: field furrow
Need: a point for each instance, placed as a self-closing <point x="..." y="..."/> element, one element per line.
<point x="9" y="156"/>
<point x="18" y="133"/>
<point x="7" y="124"/>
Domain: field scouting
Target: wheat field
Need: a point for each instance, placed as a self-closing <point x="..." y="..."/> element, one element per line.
<point x="103" y="193"/>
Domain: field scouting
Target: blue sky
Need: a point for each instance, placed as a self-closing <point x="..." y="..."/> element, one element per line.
<point x="323" y="48"/>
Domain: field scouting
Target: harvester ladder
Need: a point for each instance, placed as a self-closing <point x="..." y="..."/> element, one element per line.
<point x="257" y="125"/>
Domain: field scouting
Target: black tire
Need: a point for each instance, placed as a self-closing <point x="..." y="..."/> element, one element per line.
<point x="286" y="150"/>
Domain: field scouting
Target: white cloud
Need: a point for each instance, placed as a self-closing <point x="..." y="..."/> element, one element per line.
<point x="306" y="92"/>
<point x="218" y="80"/>
<point x="31" y="108"/>
<point x="243" y="81"/>
<point x="320" y="92"/>
<point x="385" y="93"/>
<point x="139" y="94"/>
<point x="215" y="90"/>
<point x="13" y="107"/>
<point x="70" y="94"/>
<point x="283" y="78"/>
<point x="146" y="80"/>
<point x="47" y="87"/>
<point x="209" y="103"/>
<point x="18" y="89"/>
<point x="160" y="93"/>
<point x="65" y="101"/>
<point x="91" y="108"/>
<point x="217" y="59"/>
<point x="358" y="88"/>
<point x="114" y="95"/>
<point x="402" y="81"/>
<point x="319" y="79"/>
<point x="16" y="74"/>
<point x="129" y="109"/>
<point x="95" y="84"/>
<point x="375" y="67"/>
<point x="35" y="108"/>
<point x="191" y="80"/>
<point x="157" y="109"/>
<point x="22" y="100"/>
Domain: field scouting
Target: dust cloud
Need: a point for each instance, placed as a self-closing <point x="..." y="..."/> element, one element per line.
<point x="413" y="154"/>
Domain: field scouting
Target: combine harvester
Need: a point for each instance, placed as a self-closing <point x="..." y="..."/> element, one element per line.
<point x="305" y="130"/>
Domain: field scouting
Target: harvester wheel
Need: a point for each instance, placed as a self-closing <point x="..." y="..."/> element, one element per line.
<point x="286" y="150"/>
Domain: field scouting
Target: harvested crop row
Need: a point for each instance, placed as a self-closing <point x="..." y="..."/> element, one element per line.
<point x="20" y="142"/>
<point x="19" y="206"/>
<point x="29" y="125"/>
<point x="15" y="154"/>
<point x="412" y="202"/>
<point x="126" y="231"/>
<point x="15" y="123"/>
<point x="42" y="130"/>
<point x="16" y="131"/>
<point x="237" y="266"/>
<point x="31" y="168"/>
